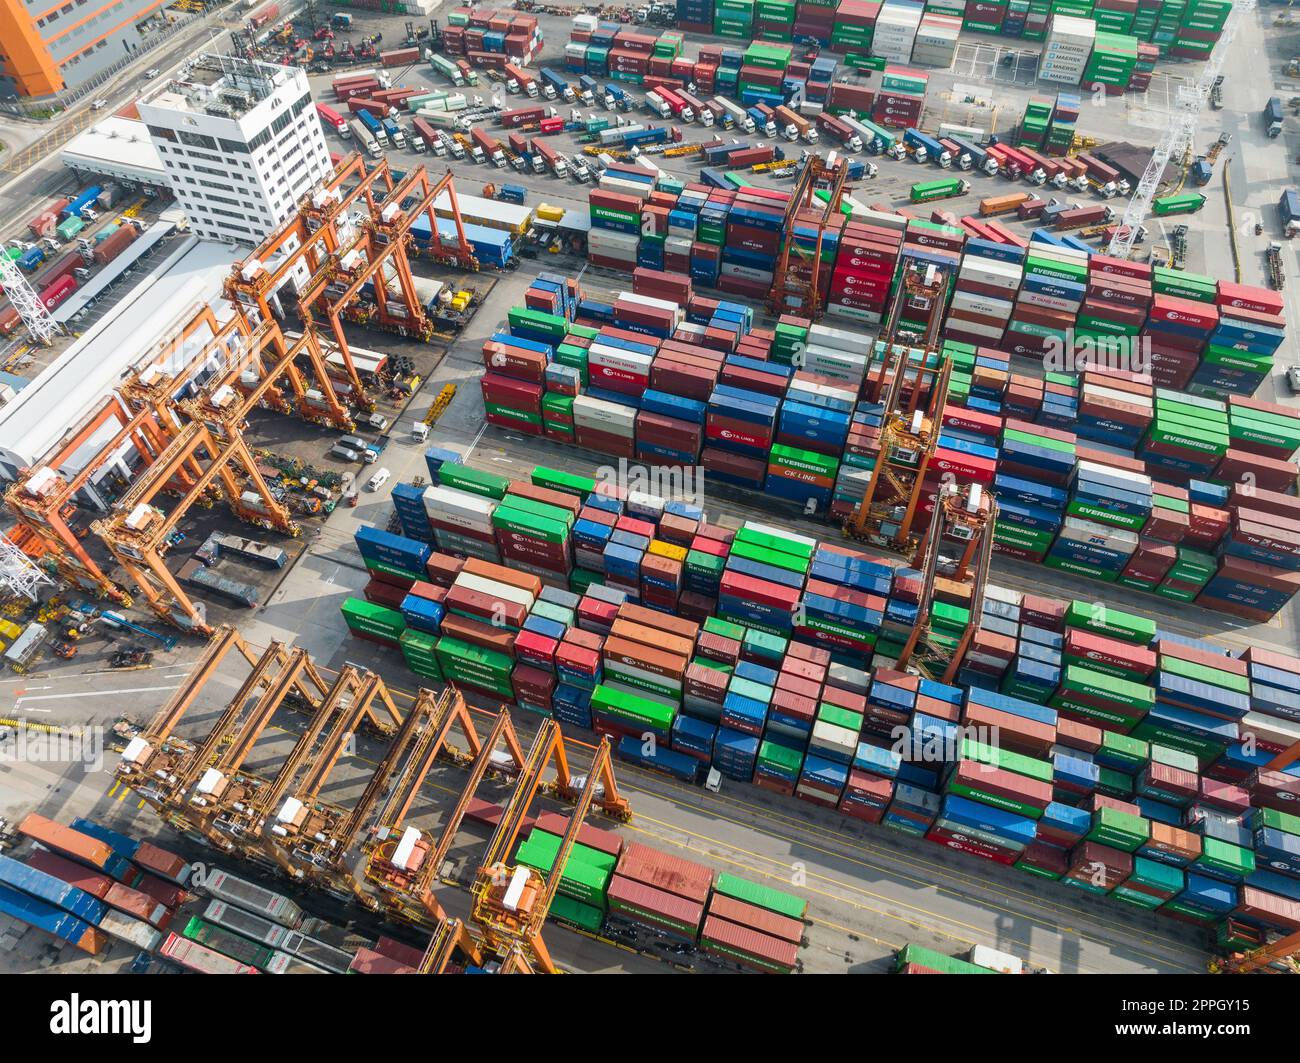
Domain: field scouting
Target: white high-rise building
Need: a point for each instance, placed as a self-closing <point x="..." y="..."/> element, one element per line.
<point x="240" y="142"/>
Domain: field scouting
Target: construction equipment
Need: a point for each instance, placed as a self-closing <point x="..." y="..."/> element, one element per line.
<point x="910" y="396"/>
<point x="136" y="532"/>
<point x="130" y="658"/>
<point x="796" y="283"/>
<point x="1216" y="149"/>
<point x="1178" y="253"/>
<point x="511" y="902"/>
<point x="1188" y="105"/>
<point x="343" y="258"/>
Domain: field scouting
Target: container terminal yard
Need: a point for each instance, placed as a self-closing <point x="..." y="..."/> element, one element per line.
<point x="733" y="487"/>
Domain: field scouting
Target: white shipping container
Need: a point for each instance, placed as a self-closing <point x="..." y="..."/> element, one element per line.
<point x="1047" y="302"/>
<point x="609" y="416"/>
<point x="598" y="354"/>
<point x="834" y="739"/>
<point x="836" y="339"/>
<point x="853" y="313"/>
<point x="1106" y="536"/>
<point x="981" y="304"/>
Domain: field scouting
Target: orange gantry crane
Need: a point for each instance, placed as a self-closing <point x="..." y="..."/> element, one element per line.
<point x="911" y="393"/>
<point x="322" y="240"/>
<point x="401" y="863"/>
<point x="254" y="373"/>
<point x="44" y="499"/>
<point x="1276" y="957"/>
<point x="958" y="548"/>
<point x="797" y="274"/>
<point x="137" y="532"/>
<point x="511" y="902"/>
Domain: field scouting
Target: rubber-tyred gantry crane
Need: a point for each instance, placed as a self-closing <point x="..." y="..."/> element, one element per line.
<point x="321" y="238"/>
<point x="912" y="397"/>
<point x="797" y="274"/>
<point x="263" y="351"/>
<point x="401" y="863"/>
<point x="510" y="902"/>
<point x="137" y="533"/>
<point x="1276" y="957"/>
<point x="958" y="546"/>
<point x="43" y="499"/>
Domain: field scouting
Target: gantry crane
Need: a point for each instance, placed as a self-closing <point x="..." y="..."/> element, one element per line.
<point x="511" y="902"/>
<point x="318" y="236"/>
<point x="911" y="414"/>
<point x="166" y="768"/>
<point x="958" y="546"/>
<point x="381" y="243"/>
<point x="43" y="499"/>
<point x="401" y="863"/>
<point x="312" y="839"/>
<point x="1277" y="957"/>
<point x="797" y="275"/>
<point x="137" y="533"/>
<point x="226" y="400"/>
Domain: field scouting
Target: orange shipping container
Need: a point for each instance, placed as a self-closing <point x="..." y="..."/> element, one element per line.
<point x="1001" y="204"/>
<point x="66" y="840"/>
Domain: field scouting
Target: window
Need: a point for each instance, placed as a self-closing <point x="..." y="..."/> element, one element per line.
<point x="197" y="140"/>
<point x="162" y="134"/>
<point x="233" y="147"/>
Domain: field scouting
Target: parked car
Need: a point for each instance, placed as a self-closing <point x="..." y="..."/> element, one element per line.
<point x="378" y="480"/>
<point x="1293" y="379"/>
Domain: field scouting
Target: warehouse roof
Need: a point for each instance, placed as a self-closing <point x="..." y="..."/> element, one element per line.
<point x="119" y="147"/>
<point x="70" y="387"/>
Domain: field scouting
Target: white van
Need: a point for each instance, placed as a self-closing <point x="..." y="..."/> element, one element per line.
<point x="378" y="480"/>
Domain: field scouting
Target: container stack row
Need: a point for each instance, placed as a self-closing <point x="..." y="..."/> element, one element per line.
<point x="1101" y="472"/>
<point x="1076" y="737"/>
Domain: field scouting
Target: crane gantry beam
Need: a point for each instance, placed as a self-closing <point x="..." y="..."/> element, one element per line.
<point x="796" y="281"/>
<point x="136" y="533"/>
<point x="909" y="431"/>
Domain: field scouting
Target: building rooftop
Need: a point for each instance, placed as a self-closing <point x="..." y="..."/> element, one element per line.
<point x="119" y="142"/>
<point x="225" y="86"/>
<point x="66" y="390"/>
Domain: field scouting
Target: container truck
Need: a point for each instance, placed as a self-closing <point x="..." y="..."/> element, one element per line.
<point x="656" y="104"/>
<point x="57" y="292"/>
<point x="81" y="202"/>
<point x="447" y="68"/>
<point x="552" y="80"/>
<point x="620" y="97"/>
<point x="794" y="126"/>
<point x="737" y="113"/>
<point x="721" y="118"/>
<point x="926" y="191"/>
<point x="704" y="114"/>
<point x="979" y="158"/>
<point x="521" y="116"/>
<point x="373" y="124"/>
<point x="377" y="109"/>
<point x="764" y="122"/>
<point x="365" y="139"/>
<point x="1288" y="207"/>
<point x="333" y="119"/>
<point x="679" y="107"/>
<point x="1273" y="116"/>
<point x="925" y="148"/>
<point x="31" y="259"/>
<point x="588" y="89"/>
<point x="519" y="80"/>
<point x="491" y="147"/>
<point x="839" y="130"/>
<point x="553" y="158"/>
<point x="394" y="133"/>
